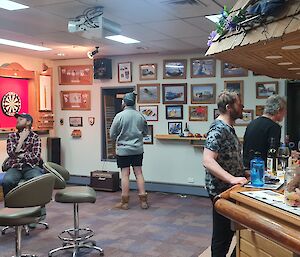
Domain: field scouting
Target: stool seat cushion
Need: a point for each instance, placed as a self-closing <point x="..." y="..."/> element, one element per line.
<point x="77" y="194"/>
<point x="19" y="216"/>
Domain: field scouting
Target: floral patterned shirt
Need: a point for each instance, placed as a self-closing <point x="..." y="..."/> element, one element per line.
<point x="221" y="138"/>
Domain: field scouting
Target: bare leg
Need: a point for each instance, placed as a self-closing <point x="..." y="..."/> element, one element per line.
<point x="139" y="179"/>
<point x="125" y="181"/>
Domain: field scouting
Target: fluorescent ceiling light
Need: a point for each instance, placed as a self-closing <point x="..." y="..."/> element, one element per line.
<point x="273" y="57"/>
<point x="23" y="45"/>
<point x="214" y="18"/>
<point x="11" y="6"/>
<point x="123" y="39"/>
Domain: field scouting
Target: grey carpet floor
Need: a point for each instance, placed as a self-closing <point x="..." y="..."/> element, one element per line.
<point x="174" y="226"/>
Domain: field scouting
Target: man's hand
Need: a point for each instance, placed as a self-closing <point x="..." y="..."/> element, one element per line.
<point x="238" y="180"/>
<point x="23" y="135"/>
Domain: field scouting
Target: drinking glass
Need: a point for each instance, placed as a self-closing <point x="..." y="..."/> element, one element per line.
<point x="283" y="155"/>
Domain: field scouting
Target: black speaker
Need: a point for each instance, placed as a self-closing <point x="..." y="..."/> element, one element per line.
<point x="53" y="149"/>
<point x="102" y="68"/>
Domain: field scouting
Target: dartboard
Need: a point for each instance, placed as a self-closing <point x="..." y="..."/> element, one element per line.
<point x="11" y="103"/>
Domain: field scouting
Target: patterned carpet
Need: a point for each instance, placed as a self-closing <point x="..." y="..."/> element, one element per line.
<point x="174" y="226"/>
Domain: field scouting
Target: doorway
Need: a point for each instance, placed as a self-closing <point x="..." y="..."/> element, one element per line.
<point x="111" y="99"/>
<point x="293" y="111"/>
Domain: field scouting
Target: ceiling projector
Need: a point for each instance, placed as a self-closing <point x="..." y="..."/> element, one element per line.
<point x="92" y="24"/>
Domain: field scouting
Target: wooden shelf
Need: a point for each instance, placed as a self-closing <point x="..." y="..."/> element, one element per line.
<point x="195" y="141"/>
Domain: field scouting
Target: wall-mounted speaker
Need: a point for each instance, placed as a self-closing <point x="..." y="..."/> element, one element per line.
<point x="102" y="68"/>
<point x="53" y="149"/>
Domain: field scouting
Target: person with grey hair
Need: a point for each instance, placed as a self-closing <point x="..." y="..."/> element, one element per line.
<point x="259" y="132"/>
<point x="128" y="129"/>
<point x="222" y="159"/>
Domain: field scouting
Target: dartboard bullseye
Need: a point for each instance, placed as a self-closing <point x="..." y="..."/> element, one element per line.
<point x="11" y="104"/>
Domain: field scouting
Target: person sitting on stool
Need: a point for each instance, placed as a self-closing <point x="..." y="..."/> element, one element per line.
<point x="24" y="151"/>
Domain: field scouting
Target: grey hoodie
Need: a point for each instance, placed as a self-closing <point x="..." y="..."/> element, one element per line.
<point x="128" y="128"/>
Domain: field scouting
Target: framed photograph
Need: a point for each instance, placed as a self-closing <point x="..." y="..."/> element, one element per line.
<point x="150" y="112"/>
<point x="174" y="69"/>
<point x="148" y="71"/>
<point x="203" y="93"/>
<point x="259" y="110"/>
<point x="235" y="86"/>
<point x="45" y="93"/>
<point x="124" y="72"/>
<point x="148" y="93"/>
<point x="75" y="100"/>
<point x="75" y="75"/>
<point x="216" y="113"/>
<point x="247" y="118"/>
<point x="174" y="112"/>
<point x="198" y="113"/>
<point x="174" y="127"/>
<point x="231" y="70"/>
<point x="203" y="67"/>
<point x="149" y="138"/>
<point x="174" y="93"/>
<point x="75" y="121"/>
<point x="266" y="89"/>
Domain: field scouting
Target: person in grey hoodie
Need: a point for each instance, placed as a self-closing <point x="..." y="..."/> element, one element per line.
<point x="128" y="129"/>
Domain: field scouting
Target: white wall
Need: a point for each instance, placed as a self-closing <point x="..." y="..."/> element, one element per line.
<point x="164" y="161"/>
<point x="32" y="64"/>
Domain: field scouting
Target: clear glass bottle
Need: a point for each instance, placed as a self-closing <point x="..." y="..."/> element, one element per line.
<point x="186" y="130"/>
<point x="292" y="186"/>
<point x="271" y="159"/>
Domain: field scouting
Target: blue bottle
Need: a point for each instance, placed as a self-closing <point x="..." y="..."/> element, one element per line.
<point x="257" y="170"/>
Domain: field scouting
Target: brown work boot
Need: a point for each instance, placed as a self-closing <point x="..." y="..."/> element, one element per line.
<point x="124" y="203"/>
<point x="143" y="201"/>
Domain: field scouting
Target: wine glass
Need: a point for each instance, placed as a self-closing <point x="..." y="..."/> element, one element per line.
<point x="283" y="155"/>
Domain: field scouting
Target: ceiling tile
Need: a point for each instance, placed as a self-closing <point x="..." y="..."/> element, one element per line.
<point x="34" y="3"/>
<point x="175" y="28"/>
<point x="202" y="23"/>
<point x="200" y="42"/>
<point x="142" y="33"/>
<point x="186" y="10"/>
<point x="172" y="44"/>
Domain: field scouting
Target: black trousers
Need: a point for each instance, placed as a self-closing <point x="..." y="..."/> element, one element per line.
<point x="222" y="236"/>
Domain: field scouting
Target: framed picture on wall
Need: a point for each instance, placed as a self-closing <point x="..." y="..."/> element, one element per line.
<point x="216" y="113"/>
<point x="148" y="71"/>
<point x="198" y="113"/>
<point x="174" y="93"/>
<point x="174" y="112"/>
<point x="124" y="72"/>
<point x="75" y="75"/>
<point x="75" y="121"/>
<point x="174" y="69"/>
<point x="148" y="93"/>
<point x="174" y="127"/>
<point x="259" y="110"/>
<point x="232" y="70"/>
<point x="203" y="67"/>
<point x="150" y="112"/>
<point x="45" y="94"/>
<point x="203" y="93"/>
<point x="247" y="118"/>
<point x="235" y="86"/>
<point x="75" y="100"/>
<point x="148" y="139"/>
<point x="266" y="89"/>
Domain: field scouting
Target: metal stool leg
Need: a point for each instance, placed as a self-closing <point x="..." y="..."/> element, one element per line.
<point x="76" y="241"/>
<point x="18" y="248"/>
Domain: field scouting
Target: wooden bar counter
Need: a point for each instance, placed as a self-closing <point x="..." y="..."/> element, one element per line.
<point x="262" y="230"/>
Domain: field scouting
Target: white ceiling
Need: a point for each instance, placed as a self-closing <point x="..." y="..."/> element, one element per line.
<point x="162" y="26"/>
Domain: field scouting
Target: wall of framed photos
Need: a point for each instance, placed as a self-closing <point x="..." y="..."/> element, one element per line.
<point x="154" y="76"/>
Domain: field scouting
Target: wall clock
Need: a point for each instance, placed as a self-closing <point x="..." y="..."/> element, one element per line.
<point x="11" y="104"/>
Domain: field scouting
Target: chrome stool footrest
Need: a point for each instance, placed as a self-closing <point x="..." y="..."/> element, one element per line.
<point x="76" y="235"/>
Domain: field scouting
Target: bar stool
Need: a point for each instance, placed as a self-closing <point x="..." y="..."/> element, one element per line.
<point x="25" y="205"/>
<point x="73" y="238"/>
